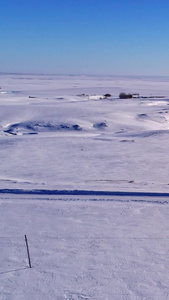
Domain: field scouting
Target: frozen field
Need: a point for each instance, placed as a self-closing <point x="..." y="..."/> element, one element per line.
<point x="58" y="135"/>
<point x="59" y="140"/>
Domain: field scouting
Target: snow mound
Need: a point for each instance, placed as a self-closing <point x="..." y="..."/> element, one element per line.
<point x="35" y="127"/>
<point x="150" y="133"/>
<point x="143" y="116"/>
<point x="100" y="125"/>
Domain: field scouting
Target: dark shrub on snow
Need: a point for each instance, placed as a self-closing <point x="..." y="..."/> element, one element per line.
<point x="125" y="96"/>
<point x="107" y="95"/>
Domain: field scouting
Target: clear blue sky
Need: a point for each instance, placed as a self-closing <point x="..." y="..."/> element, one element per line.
<point x="102" y="37"/>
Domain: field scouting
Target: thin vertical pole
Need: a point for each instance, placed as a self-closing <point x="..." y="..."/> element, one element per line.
<point x="29" y="260"/>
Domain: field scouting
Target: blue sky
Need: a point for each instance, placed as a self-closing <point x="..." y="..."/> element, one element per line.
<point x="98" y="37"/>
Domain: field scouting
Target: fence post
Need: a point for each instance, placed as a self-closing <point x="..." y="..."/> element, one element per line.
<point x="29" y="260"/>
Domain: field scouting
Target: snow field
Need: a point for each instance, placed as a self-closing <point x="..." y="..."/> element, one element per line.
<point x="57" y="134"/>
<point x="83" y="249"/>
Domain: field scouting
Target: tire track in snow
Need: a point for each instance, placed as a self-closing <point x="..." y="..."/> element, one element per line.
<point x="118" y="196"/>
<point x="82" y="192"/>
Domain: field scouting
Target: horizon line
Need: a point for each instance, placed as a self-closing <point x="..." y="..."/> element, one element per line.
<point x="81" y="74"/>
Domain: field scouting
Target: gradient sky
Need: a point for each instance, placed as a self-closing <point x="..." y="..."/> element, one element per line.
<point x="98" y="37"/>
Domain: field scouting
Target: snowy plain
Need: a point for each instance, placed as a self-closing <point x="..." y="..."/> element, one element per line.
<point x="86" y="178"/>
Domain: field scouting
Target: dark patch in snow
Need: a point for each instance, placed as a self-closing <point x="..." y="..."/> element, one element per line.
<point x="149" y="133"/>
<point x="103" y="139"/>
<point x="121" y="131"/>
<point x="29" y="133"/>
<point x="36" y="127"/>
<point x="143" y="116"/>
<point x="16" y="92"/>
<point x="127" y="141"/>
<point x="100" y="125"/>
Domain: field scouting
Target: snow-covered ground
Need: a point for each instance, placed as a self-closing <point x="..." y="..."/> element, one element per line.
<point x="58" y="133"/>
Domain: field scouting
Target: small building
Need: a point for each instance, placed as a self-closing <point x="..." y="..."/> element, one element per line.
<point x="136" y="95"/>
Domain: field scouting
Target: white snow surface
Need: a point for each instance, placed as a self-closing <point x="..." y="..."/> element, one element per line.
<point x="86" y="179"/>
